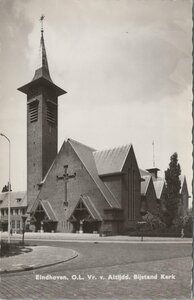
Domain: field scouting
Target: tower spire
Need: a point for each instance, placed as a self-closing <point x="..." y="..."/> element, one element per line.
<point x="44" y="61"/>
<point x="42" y="74"/>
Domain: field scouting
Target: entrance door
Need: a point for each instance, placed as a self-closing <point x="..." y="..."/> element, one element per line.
<point x="41" y="217"/>
<point x="91" y="226"/>
<point x="82" y="220"/>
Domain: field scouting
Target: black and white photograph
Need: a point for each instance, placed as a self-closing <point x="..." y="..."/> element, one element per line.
<point x="96" y="149"/>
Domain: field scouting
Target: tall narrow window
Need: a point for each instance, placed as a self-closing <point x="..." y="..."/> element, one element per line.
<point x="18" y="224"/>
<point x="13" y="224"/>
<point x="33" y="111"/>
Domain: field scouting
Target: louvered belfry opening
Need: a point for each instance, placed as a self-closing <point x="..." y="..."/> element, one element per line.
<point x="51" y="113"/>
<point x="33" y="111"/>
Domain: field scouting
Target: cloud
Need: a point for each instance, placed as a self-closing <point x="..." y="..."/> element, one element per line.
<point x="135" y="47"/>
<point x="126" y="66"/>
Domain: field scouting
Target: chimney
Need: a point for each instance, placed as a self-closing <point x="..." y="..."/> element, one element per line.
<point x="153" y="172"/>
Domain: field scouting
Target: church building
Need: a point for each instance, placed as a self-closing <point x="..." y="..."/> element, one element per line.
<point x="79" y="189"/>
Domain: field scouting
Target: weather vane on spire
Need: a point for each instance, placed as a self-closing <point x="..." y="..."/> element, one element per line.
<point x="41" y="21"/>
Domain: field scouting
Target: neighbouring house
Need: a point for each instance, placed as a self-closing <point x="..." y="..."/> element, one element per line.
<point x="18" y="207"/>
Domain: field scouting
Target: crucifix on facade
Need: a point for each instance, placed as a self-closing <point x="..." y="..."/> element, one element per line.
<point x="66" y="177"/>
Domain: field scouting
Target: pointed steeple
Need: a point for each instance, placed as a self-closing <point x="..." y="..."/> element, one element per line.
<point x="42" y="74"/>
<point x="43" y="70"/>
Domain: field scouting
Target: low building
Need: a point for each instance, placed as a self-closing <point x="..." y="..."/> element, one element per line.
<point x="160" y="189"/>
<point x="18" y="207"/>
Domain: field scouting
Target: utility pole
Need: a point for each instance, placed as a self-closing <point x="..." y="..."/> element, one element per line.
<point x="9" y="183"/>
<point x="153" y="154"/>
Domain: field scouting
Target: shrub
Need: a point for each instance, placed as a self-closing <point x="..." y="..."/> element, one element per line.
<point x="154" y="227"/>
<point x="5" y="248"/>
<point x="184" y="222"/>
<point x="153" y="222"/>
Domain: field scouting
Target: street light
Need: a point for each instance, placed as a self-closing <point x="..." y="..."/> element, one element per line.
<point x="141" y="225"/>
<point x="9" y="192"/>
<point x="24" y="217"/>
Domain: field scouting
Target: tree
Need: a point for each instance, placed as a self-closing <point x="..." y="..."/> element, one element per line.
<point x="6" y="188"/>
<point x="173" y="185"/>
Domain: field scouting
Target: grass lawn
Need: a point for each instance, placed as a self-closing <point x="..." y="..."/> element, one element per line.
<point x="14" y="248"/>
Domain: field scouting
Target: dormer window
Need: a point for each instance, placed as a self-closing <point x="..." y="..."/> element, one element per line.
<point x="18" y="199"/>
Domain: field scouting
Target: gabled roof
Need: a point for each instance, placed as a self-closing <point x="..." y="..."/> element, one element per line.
<point x="85" y="154"/>
<point x="159" y="186"/>
<point x="144" y="172"/>
<point x="91" y="208"/>
<point x="159" y="183"/>
<point x="182" y="180"/>
<point x="32" y="204"/>
<point x="112" y="160"/>
<point x="18" y="199"/>
<point x="95" y="214"/>
<point x="48" y="210"/>
<point x="145" y="184"/>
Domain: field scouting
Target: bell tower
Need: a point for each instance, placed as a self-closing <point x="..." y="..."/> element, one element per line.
<point x="42" y="122"/>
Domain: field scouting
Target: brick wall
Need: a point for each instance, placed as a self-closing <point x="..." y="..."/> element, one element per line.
<point x="41" y="141"/>
<point x="131" y="191"/>
<point x="151" y="198"/>
<point x="114" y="184"/>
<point x="53" y="189"/>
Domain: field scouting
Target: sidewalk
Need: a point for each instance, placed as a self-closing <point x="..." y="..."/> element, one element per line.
<point x="35" y="257"/>
<point x="91" y="238"/>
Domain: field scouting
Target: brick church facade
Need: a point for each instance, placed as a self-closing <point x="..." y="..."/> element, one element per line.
<point x="79" y="189"/>
<point x="99" y="197"/>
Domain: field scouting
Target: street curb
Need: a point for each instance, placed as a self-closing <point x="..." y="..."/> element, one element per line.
<point x="110" y="241"/>
<point x="30" y="268"/>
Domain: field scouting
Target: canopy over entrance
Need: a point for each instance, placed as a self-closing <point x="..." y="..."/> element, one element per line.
<point x="44" y="217"/>
<point x="85" y="217"/>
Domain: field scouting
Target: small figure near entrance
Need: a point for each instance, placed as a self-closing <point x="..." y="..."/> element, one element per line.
<point x="182" y="233"/>
<point x="81" y="226"/>
<point x="41" y="228"/>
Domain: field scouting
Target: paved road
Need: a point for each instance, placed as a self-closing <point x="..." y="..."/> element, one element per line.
<point x="105" y="262"/>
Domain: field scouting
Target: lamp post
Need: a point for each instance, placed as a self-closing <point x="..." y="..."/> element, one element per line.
<point x="141" y="225"/>
<point x="24" y="217"/>
<point x="9" y="192"/>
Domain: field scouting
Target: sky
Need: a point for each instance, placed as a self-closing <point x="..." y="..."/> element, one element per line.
<point x="126" y="66"/>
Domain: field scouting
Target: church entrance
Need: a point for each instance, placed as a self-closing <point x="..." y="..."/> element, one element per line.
<point x="42" y="221"/>
<point x="82" y="220"/>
